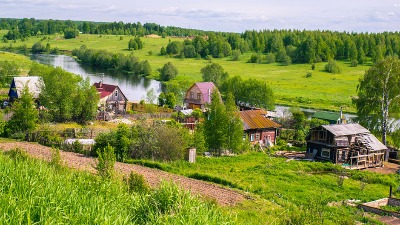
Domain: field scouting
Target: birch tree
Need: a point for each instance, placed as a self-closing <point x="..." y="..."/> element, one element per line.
<point x="379" y="96"/>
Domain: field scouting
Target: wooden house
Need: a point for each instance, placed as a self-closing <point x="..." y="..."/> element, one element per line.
<point x="258" y="128"/>
<point x="33" y="83"/>
<point x="199" y="95"/>
<point x="351" y="145"/>
<point x="111" y="97"/>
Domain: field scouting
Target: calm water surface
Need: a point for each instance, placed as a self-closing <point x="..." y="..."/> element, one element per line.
<point x="134" y="88"/>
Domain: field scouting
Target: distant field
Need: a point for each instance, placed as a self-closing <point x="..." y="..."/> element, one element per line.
<point x="322" y="90"/>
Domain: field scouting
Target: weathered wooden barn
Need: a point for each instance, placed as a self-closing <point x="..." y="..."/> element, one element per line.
<point x="351" y="145"/>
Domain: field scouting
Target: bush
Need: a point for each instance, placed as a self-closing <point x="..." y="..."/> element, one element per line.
<point x="137" y="183"/>
<point x="332" y="67"/>
<point x="106" y="161"/>
<point x="308" y="75"/>
<point x="56" y="158"/>
<point x="77" y="147"/>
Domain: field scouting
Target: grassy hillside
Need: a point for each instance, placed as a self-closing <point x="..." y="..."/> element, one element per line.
<point x="34" y="192"/>
<point x="295" y="192"/>
<point x="291" y="87"/>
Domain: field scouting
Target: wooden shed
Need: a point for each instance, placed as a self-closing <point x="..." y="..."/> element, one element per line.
<point x="351" y="145"/>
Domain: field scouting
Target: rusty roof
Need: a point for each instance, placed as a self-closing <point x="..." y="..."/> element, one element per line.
<point x="255" y="119"/>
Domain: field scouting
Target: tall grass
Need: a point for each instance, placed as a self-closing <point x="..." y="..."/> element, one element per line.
<point x="290" y="192"/>
<point x="33" y="192"/>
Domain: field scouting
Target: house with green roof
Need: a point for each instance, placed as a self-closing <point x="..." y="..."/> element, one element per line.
<point x="331" y="117"/>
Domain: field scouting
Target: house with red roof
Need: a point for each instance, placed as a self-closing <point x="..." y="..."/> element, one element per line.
<point x="199" y="94"/>
<point x="111" y="97"/>
<point x="258" y="128"/>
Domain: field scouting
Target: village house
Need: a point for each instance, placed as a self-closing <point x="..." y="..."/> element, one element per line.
<point x="111" y="97"/>
<point x="258" y="128"/>
<point x="331" y="117"/>
<point x="199" y="95"/>
<point x="351" y="145"/>
<point x="33" y="83"/>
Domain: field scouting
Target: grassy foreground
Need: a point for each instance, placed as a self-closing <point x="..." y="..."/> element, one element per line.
<point x="34" y="192"/>
<point x="291" y="87"/>
<point x="290" y="192"/>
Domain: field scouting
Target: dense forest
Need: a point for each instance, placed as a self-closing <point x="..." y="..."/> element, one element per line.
<point x="286" y="46"/>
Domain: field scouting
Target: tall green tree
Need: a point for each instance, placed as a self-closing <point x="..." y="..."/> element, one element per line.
<point x="235" y="125"/>
<point x="168" y="72"/>
<point x="85" y="102"/>
<point x="214" y="73"/>
<point x="379" y="95"/>
<point x="25" y="115"/>
<point x="58" y="93"/>
<point x="215" y="125"/>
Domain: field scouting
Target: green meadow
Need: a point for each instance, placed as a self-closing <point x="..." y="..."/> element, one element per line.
<point x="289" y="192"/>
<point x="291" y="87"/>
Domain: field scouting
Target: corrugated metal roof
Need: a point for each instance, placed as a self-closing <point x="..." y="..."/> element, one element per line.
<point x="345" y="129"/>
<point x="255" y="119"/>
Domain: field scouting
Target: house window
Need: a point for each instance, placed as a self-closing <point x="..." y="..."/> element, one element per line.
<point x="198" y="96"/>
<point x="244" y="137"/>
<point x="326" y="153"/>
<point x="116" y="93"/>
<point x="191" y="95"/>
<point x="257" y="137"/>
<point x="252" y="137"/>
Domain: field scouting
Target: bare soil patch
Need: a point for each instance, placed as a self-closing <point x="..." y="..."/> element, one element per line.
<point x="154" y="177"/>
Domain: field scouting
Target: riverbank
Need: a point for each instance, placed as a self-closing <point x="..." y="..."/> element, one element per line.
<point x="291" y="87"/>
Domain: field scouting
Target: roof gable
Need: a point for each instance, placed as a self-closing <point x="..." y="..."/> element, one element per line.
<point x="105" y="89"/>
<point x="206" y="89"/>
<point x="34" y="84"/>
<point x="255" y="119"/>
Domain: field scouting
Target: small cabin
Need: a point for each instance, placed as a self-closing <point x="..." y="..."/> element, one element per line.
<point x="351" y="145"/>
<point x="199" y="95"/>
<point x="258" y="128"/>
<point x="111" y="97"/>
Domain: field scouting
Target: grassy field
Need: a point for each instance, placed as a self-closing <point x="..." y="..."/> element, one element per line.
<point x="322" y="90"/>
<point x="34" y="192"/>
<point x="289" y="191"/>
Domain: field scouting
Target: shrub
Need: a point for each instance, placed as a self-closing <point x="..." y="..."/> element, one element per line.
<point x="137" y="183"/>
<point x="77" y="147"/>
<point x="332" y="67"/>
<point x="106" y="161"/>
<point x="308" y="75"/>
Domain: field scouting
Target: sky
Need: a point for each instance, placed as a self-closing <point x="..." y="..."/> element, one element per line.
<point x="220" y="15"/>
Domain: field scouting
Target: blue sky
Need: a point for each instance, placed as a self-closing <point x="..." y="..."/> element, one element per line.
<point x="221" y="15"/>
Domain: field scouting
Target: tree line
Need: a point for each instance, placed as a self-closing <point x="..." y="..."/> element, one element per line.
<point x="286" y="46"/>
<point x="108" y="60"/>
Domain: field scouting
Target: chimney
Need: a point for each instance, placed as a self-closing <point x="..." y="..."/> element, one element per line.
<point x="101" y="83"/>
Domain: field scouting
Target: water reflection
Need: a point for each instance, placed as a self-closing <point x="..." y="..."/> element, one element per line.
<point x="135" y="88"/>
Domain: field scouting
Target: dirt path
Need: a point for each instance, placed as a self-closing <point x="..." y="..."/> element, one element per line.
<point x="223" y="196"/>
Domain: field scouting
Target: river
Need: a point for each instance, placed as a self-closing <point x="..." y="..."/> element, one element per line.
<point x="134" y="88"/>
